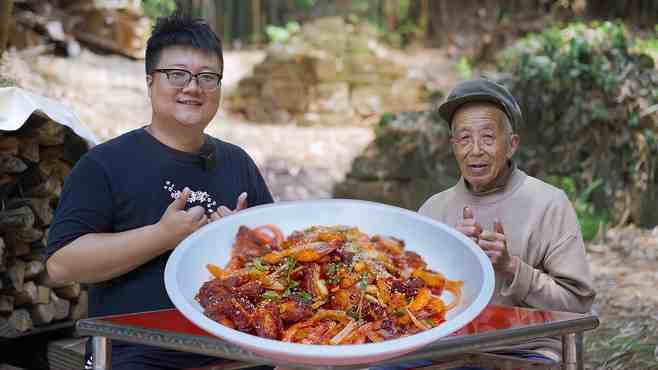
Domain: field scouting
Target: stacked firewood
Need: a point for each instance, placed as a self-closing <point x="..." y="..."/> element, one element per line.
<point x="117" y="26"/>
<point x="34" y="162"/>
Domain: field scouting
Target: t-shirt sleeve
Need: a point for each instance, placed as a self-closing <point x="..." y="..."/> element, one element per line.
<point x="85" y="205"/>
<point x="258" y="192"/>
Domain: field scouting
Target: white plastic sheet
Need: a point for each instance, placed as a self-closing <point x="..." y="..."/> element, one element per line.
<point x="17" y="105"/>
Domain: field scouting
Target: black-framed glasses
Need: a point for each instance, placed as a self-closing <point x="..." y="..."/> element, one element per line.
<point x="179" y="78"/>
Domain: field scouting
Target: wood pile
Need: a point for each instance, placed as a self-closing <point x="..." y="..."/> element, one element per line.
<point x="34" y="161"/>
<point x="117" y="26"/>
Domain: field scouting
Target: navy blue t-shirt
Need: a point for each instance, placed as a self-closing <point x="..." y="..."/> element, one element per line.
<point x="127" y="183"/>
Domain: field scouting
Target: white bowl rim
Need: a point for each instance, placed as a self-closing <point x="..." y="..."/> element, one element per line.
<point x="310" y="353"/>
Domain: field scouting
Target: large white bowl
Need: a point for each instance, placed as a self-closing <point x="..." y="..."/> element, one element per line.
<point x="442" y="247"/>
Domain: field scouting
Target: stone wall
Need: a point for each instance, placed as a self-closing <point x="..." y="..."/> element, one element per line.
<point x="409" y="160"/>
<point x="329" y="73"/>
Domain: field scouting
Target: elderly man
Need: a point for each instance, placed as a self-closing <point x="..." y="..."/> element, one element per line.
<point x="130" y="201"/>
<point x="527" y="227"/>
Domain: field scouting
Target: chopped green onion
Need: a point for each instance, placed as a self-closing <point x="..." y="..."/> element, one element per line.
<point x="258" y="263"/>
<point x="306" y="297"/>
<point x="331" y="268"/>
<point x="271" y="295"/>
<point x="363" y="284"/>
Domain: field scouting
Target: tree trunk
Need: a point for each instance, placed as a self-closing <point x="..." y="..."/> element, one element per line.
<point x="6" y="7"/>
<point x="256" y="21"/>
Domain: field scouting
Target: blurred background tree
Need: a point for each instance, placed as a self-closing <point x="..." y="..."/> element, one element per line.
<point x="433" y="23"/>
<point x="5" y="14"/>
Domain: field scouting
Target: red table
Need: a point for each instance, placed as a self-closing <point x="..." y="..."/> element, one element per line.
<point x="495" y="326"/>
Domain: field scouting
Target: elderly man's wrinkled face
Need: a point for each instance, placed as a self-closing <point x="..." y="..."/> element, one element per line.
<point x="483" y="142"/>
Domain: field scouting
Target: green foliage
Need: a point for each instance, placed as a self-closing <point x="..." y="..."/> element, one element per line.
<point x="591" y="220"/>
<point x="464" y="68"/>
<point x="407" y="24"/>
<point x="588" y="53"/>
<point x="305" y="4"/>
<point x="281" y="34"/>
<point x="584" y="90"/>
<point x="649" y="45"/>
<point x="158" y="8"/>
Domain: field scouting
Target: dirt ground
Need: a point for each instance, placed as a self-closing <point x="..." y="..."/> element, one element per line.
<point x="109" y="95"/>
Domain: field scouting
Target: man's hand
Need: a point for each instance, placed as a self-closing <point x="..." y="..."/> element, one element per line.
<point x="177" y="223"/>
<point x="224" y="211"/>
<point x="494" y="244"/>
<point x="469" y="227"/>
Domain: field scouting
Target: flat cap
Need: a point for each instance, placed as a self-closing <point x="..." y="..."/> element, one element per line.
<point x="481" y="89"/>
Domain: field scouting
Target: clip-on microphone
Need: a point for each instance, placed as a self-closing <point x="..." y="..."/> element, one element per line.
<point x="207" y="154"/>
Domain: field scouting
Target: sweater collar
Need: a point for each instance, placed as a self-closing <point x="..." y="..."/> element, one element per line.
<point x="505" y="185"/>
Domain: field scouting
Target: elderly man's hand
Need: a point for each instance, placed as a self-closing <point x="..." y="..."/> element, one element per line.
<point x="494" y="244"/>
<point x="468" y="226"/>
<point x="224" y="211"/>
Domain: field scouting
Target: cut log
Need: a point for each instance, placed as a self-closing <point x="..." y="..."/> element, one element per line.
<point x="43" y="313"/>
<point x="29" y="149"/>
<point x="70" y="152"/>
<point x="19" y="321"/>
<point x="49" y="133"/>
<point x="28" y="295"/>
<point x="7" y="185"/>
<point x="36" y="254"/>
<point x="6" y="304"/>
<point x="54" y="168"/>
<point x="33" y="268"/>
<point x="80" y="308"/>
<point x="16" y="273"/>
<point x="11" y="164"/>
<point x="43" y="211"/>
<point x="14" y="219"/>
<point x="51" y="188"/>
<point x="44" y="241"/>
<point x="10" y="145"/>
<point x="3" y="258"/>
<point x="28" y="235"/>
<point x="62" y="306"/>
<point x="44" y="170"/>
<point x="20" y="248"/>
<point x="69" y="292"/>
<point x="43" y="294"/>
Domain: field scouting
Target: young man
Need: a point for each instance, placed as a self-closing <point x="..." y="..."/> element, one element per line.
<point x="128" y="202"/>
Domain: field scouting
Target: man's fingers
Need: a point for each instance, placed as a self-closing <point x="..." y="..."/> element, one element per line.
<point x="490" y="245"/>
<point x="498" y="227"/>
<point x="214" y="216"/>
<point x="202" y="222"/>
<point x="467" y="230"/>
<point x="492" y="235"/>
<point x="242" y="202"/>
<point x="478" y="228"/>
<point x="196" y="213"/>
<point x="179" y="203"/>
<point x="223" y="211"/>
<point x="468" y="213"/>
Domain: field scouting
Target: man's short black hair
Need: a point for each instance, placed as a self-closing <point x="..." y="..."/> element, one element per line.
<point x="181" y="30"/>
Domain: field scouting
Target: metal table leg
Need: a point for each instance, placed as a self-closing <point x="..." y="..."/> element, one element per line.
<point x="572" y="351"/>
<point x="101" y="353"/>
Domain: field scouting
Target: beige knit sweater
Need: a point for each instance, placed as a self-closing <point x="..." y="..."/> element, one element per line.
<point x="542" y="233"/>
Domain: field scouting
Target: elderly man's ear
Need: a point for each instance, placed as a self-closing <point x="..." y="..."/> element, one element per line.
<point x="515" y="140"/>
